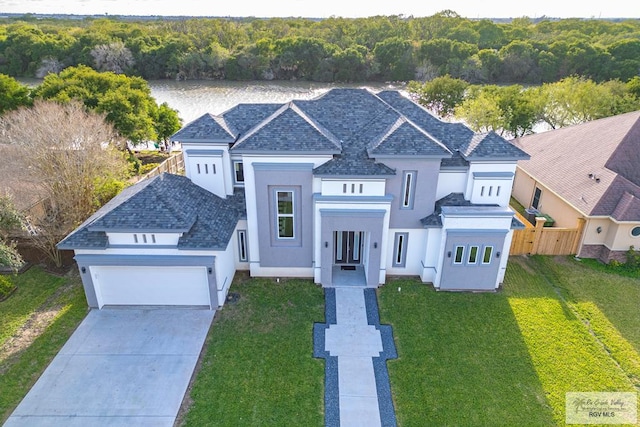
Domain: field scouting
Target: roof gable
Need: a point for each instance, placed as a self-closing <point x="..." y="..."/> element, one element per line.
<point x="404" y="138"/>
<point x="288" y="129"/>
<point x="206" y="128"/>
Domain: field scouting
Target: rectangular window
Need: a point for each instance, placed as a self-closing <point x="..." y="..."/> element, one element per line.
<point x="490" y="190"/>
<point x="242" y="246"/>
<point x="459" y="256"/>
<point x="486" y="255"/>
<point x="213" y="169"/>
<point x="400" y="249"/>
<point x="144" y="238"/>
<point x="206" y="168"/>
<point x="473" y="255"/>
<point x="153" y="238"/>
<point x="344" y="188"/>
<point x="361" y="188"/>
<point x="239" y="171"/>
<point x="408" y="189"/>
<point x="285" y="214"/>
<point x="498" y="191"/>
<point x="482" y="191"/>
<point x="353" y="188"/>
<point x="198" y="165"/>
<point x="135" y="238"/>
<point x="536" y="198"/>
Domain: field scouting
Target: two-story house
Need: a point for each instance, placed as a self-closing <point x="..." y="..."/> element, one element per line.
<point x="352" y="184"/>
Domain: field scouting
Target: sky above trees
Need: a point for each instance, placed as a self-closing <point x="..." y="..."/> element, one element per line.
<point x="322" y="9"/>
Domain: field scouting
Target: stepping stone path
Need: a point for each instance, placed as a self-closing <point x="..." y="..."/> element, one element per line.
<point x="355" y="347"/>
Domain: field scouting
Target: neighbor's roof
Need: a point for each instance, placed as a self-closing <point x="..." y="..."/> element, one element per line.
<point x="594" y="166"/>
<point x="163" y="204"/>
<point x="357" y="127"/>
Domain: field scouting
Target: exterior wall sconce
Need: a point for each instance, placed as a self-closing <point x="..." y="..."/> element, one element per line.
<point x="449" y="254"/>
<point x="498" y="254"/>
<point x="83" y="269"/>
<point x="375" y="245"/>
<point x="599" y="230"/>
<point x="209" y="270"/>
<point x="326" y="244"/>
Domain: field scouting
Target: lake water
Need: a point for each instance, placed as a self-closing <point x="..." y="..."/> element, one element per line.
<point x="192" y="99"/>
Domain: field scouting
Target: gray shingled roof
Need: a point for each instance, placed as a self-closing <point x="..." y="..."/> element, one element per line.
<point x="165" y="203"/>
<point x="288" y="129"/>
<point x="404" y="138"/>
<point x="455" y="136"/>
<point x="206" y="128"/>
<point x="356" y="125"/>
<point x="589" y="165"/>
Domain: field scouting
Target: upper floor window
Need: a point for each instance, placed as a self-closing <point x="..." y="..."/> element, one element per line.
<point x="238" y="169"/>
<point x="408" y="189"/>
<point x="285" y="214"/>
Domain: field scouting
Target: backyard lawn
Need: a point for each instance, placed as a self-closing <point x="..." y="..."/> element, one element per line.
<point x="35" y="323"/>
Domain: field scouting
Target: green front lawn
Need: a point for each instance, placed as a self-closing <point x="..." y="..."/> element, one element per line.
<point x="508" y="358"/>
<point x="50" y="308"/>
<point x="258" y="367"/>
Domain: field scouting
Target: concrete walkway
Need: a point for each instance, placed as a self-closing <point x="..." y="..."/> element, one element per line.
<point x="121" y="367"/>
<point x="355" y="347"/>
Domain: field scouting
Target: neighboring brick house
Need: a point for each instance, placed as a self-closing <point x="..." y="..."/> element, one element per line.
<point x="350" y="183"/>
<point x="589" y="171"/>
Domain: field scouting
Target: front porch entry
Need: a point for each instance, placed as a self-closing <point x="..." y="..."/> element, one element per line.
<point x="348" y="269"/>
<point x="350" y="247"/>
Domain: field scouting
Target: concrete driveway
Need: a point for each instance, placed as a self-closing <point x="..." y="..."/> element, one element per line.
<point x="121" y="367"/>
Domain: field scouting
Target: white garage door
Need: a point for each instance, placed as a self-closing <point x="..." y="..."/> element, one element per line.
<point x="133" y="285"/>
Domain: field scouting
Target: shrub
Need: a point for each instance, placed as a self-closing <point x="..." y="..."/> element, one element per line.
<point x="633" y="259"/>
<point x="107" y="190"/>
<point x="145" y="169"/>
<point x="6" y="287"/>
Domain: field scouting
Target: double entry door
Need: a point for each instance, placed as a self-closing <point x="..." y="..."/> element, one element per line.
<point x="348" y="247"/>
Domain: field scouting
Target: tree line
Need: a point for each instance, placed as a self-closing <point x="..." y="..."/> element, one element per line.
<point x="380" y="48"/>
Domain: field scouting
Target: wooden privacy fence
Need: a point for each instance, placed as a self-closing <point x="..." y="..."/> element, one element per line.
<point x="546" y="240"/>
<point x="173" y="164"/>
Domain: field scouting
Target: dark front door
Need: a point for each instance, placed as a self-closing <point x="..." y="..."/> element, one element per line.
<point x="348" y="247"/>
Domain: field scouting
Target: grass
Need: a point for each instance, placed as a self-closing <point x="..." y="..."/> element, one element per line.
<point x="258" y="368"/>
<point x="493" y="359"/>
<point x="58" y="305"/>
<point x="508" y="358"/>
<point x="462" y="360"/>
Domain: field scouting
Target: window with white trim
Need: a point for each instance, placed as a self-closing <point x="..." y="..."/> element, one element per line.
<point x="487" y="254"/>
<point x="400" y="249"/>
<point x="473" y="254"/>
<point x="243" y="254"/>
<point x="285" y="214"/>
<point x="458" y="255"/>
<point x="238" y="169"/>
<point x="408" y="189"/>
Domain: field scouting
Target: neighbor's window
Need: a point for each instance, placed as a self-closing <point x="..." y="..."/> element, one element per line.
<point x="459" y="255"/>
<point x="285" y="214"/>
<point x="486" y="255"/>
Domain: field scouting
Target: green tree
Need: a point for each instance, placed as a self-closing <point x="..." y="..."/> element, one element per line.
<point x="440" y="95"/>
<point x="167" y="122"/>
<point x="13" y="94"/>
<point x="126" y="101"/>
<point x="394" y="56"/>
